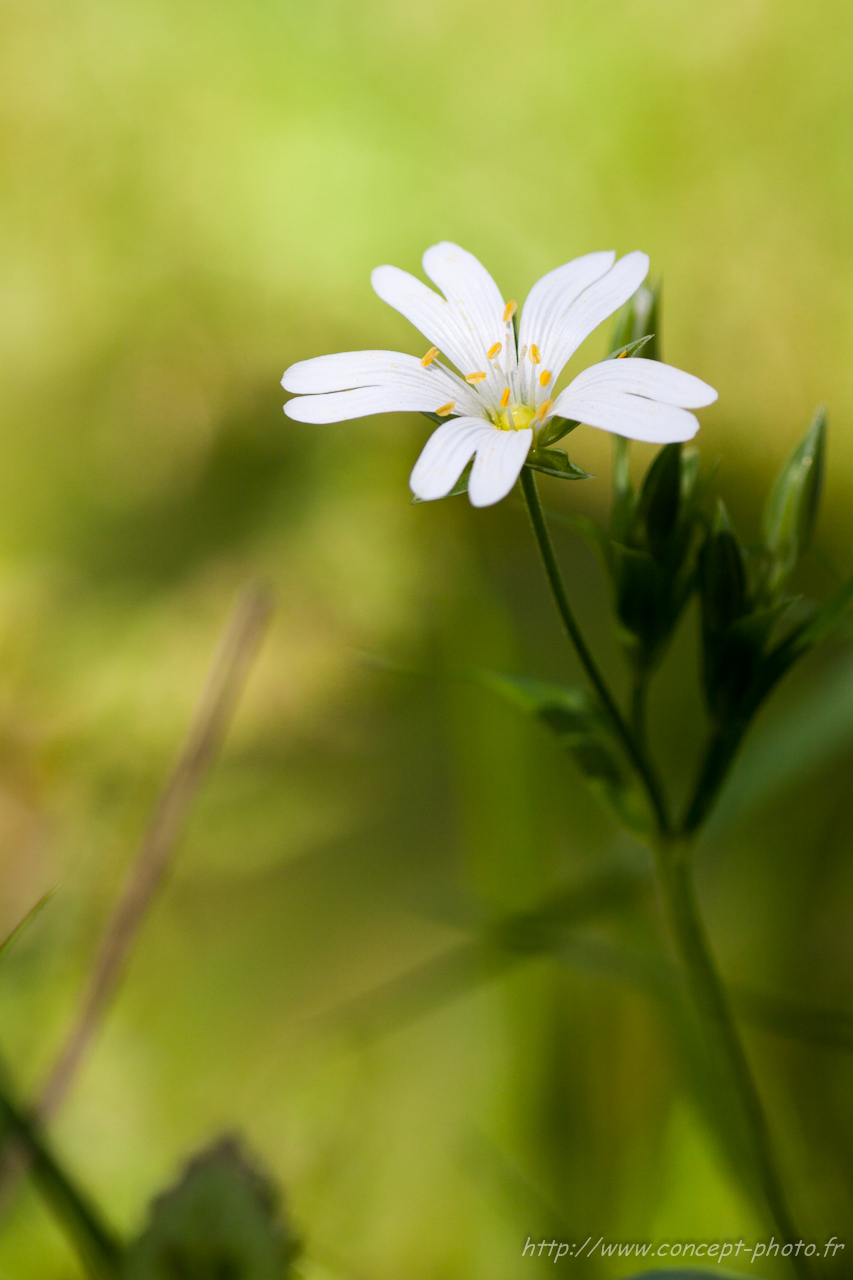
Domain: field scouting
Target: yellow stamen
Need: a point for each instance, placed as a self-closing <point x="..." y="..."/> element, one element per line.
<point x="621" y="355"/>
<point x="509" y="311"/>
<point x="493" y="350"/>
<point x="475" y="377"/>
<point x="544" y="409"/>
<point x="430" y="356"/>
<point x="535" y="357"/>
<point x="544" y="377"/>
<point x="505" y="398"/>
<point x="446" y="409"/>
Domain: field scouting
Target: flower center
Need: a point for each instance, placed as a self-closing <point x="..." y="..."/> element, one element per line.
<point x="513" y="417"/>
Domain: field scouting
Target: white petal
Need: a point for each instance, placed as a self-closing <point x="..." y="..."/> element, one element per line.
<point x="437" y="320"/>
<point x="627" y="415"/>
<point x="545" y="309"/>
<point x="445" y="456"/>
<point x="598" y="301"/>
<point x="341" y="405"/>
<point x="497" y="465"/>
<point x="470" y="289"/>
<point x="349" y="369"/>
<point x="646" y="378"/>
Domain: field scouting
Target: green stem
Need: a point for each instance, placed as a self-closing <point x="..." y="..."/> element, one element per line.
<point x="712" y="1004"/>
<point x="98" y="1248"/>
<point x="561" y="600"/>
<point x="639" y="696"/>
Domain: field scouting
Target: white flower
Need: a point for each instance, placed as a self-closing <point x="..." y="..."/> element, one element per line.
<point x="502" y="400"/>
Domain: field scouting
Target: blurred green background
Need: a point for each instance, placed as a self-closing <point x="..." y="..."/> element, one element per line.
<point x="193" y="197"/>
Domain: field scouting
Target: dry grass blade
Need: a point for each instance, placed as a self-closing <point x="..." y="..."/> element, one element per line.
<point x="216" y="707"/>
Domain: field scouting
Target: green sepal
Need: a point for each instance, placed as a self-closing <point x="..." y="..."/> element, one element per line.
<point x="555" y="462"/>
<point x="461" y="486"/>
<point x="584" y="732"/>
<point x="555" y="429"/>
<point x="660" y="500"/>
<point x="220" y="1219"/>
<point x="641" y="589"/>
<point x="722" y="576"/>
<point x="792" y="506"/>
<point x="630" y="348"/>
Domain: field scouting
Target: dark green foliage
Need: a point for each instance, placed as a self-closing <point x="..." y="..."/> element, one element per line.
<point x="219" y="1222"/>
<point x="651" y="554"/>
<point x="792" y="506"/>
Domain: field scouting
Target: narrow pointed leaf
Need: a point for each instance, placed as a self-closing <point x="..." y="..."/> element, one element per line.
<point x="792" y="507"/>
<point x="658" y="506"/>
<point x="583" y="731"/>
<point x="555" y="429"/>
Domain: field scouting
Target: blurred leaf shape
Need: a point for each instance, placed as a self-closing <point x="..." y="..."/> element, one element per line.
<point x="495" y="948"/>
<point x="687" y="1273"/>
<point x="220" y="1221"/>
<point x="584" y="732"/>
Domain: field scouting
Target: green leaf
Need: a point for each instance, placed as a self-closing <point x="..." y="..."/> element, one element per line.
<point x="792" y="507"/>
<point x="659" y="502"/>
<point x="555" y="429"/>
<point x="461" y="486"/>
<point x="584" y="732"/>
<point x="219" y="1220"/>
<point x="556" y="462"/>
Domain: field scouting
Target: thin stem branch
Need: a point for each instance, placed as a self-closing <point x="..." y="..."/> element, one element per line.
<point x="639" y="707"/>
<point x="99" y="1248"/>
<point x="225" y="681"/>
<point x="712" y="1004"/>
<point x="561" y="600"/>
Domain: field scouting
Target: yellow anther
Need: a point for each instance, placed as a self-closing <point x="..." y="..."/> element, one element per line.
<point x="475" y="377"/>
<point x="505" y="398"/>
<point x="535" y="357"/>
<point x="544" y="410"/>
<point x="621" y="355"/>
<point x="430" y="356"/>
<point x="493" y="350"/>
<point x="446" y="409"/>
<point x="544" y="377"/>
<point x="509" y="311"/>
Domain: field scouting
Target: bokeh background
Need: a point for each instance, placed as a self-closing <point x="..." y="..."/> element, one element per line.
<point x="193" y="197"/>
